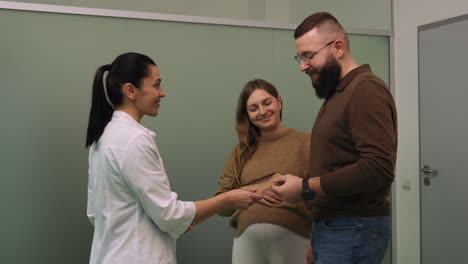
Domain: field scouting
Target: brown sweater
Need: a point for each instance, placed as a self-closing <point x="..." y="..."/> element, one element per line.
<point x="354" y="144"/>
<point x="287" y="152"/>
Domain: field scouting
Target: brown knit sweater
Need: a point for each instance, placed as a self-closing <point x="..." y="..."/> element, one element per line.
<point x="284" y="153"/>
<point x="354" y="148"/>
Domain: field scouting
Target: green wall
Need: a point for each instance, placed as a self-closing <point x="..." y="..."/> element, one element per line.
<point x="47" y="62"/>
<point x="356" y="14"/>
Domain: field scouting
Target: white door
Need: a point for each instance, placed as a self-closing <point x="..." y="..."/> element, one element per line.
<point x="443" y="115"/>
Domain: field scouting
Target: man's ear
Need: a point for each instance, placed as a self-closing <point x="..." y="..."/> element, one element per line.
<point x="339" y="48"/>
<point x="129" y="91"/>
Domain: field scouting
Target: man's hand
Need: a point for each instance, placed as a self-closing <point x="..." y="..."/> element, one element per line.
<point x="288" y="187"/>
<point x="314" y="185"/>
<point x="270" y="198"/>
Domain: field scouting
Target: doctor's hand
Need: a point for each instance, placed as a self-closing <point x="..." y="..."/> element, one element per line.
<point x="288" y="187"/>
<point x="189" y="228"/>
<point x="241" y="199"/>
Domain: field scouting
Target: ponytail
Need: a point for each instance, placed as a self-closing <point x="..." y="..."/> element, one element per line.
<point x="129" y="67"/>
<point x="101" y="109"/>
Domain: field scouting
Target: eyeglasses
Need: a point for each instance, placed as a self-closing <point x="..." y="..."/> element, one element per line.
<point x="307" y="57"/>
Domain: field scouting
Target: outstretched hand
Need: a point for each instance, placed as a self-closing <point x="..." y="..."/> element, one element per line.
<point x="241" y="199"/>
<point x="189" y="228"/>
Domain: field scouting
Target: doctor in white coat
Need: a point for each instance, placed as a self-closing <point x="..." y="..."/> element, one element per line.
<point x="136" y="216"/>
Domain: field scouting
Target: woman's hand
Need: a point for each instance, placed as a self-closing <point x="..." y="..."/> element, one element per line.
<point x="270" y="198"/>
<point x="241" y="199"/>
<point x="189" y="228"/>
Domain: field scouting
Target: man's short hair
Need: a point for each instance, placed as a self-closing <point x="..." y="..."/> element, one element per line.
<point x="315" y="21"/>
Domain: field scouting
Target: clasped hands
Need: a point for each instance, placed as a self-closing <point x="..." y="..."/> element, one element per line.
<point x="288" y="188"/>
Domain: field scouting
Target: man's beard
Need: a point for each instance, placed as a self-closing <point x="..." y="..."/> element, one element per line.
<point x="329" y="76"/>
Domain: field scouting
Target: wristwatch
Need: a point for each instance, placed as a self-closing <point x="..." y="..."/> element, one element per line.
<point x="307" y="193"/>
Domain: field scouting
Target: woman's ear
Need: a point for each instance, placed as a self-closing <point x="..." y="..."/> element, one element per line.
<point x="280" y="101"/>
<point x="129" y="91"/>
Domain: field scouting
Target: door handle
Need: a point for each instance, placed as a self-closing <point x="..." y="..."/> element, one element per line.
<point x="427" y="170"/>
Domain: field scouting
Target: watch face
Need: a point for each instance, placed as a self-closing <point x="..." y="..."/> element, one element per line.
<point x="307" y="194"/>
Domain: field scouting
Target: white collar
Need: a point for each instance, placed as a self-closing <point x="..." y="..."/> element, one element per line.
<point x="121" y="115"/>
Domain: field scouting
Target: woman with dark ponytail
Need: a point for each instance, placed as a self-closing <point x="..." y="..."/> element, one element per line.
<point x="135" y="214"/>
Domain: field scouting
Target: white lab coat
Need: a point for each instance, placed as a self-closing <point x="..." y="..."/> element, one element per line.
<point x="136" y="216"/>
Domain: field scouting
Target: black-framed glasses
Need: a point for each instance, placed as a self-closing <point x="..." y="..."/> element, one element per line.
<point x="307" y="57"/>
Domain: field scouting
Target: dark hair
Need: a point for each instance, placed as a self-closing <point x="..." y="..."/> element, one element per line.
<point x="313" y="21"/>
<point x="127" y="68"/>
<point x="247" y="132"/>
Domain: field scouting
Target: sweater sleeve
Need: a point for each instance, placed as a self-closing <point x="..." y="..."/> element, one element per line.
<point x="226" y="180"/>
<point x="372" y="122"/>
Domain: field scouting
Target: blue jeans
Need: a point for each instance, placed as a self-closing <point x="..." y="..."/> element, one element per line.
<point x="351" y="240"/>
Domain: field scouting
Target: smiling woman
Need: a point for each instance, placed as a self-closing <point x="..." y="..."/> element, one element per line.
<point x="44" y="164"/>
<point x="264" y="111"/>
<point x="128" y="72"/>
<point x="147" y="97"/>
<point x="266" y="147"/>
<point x="135" y="214"/>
